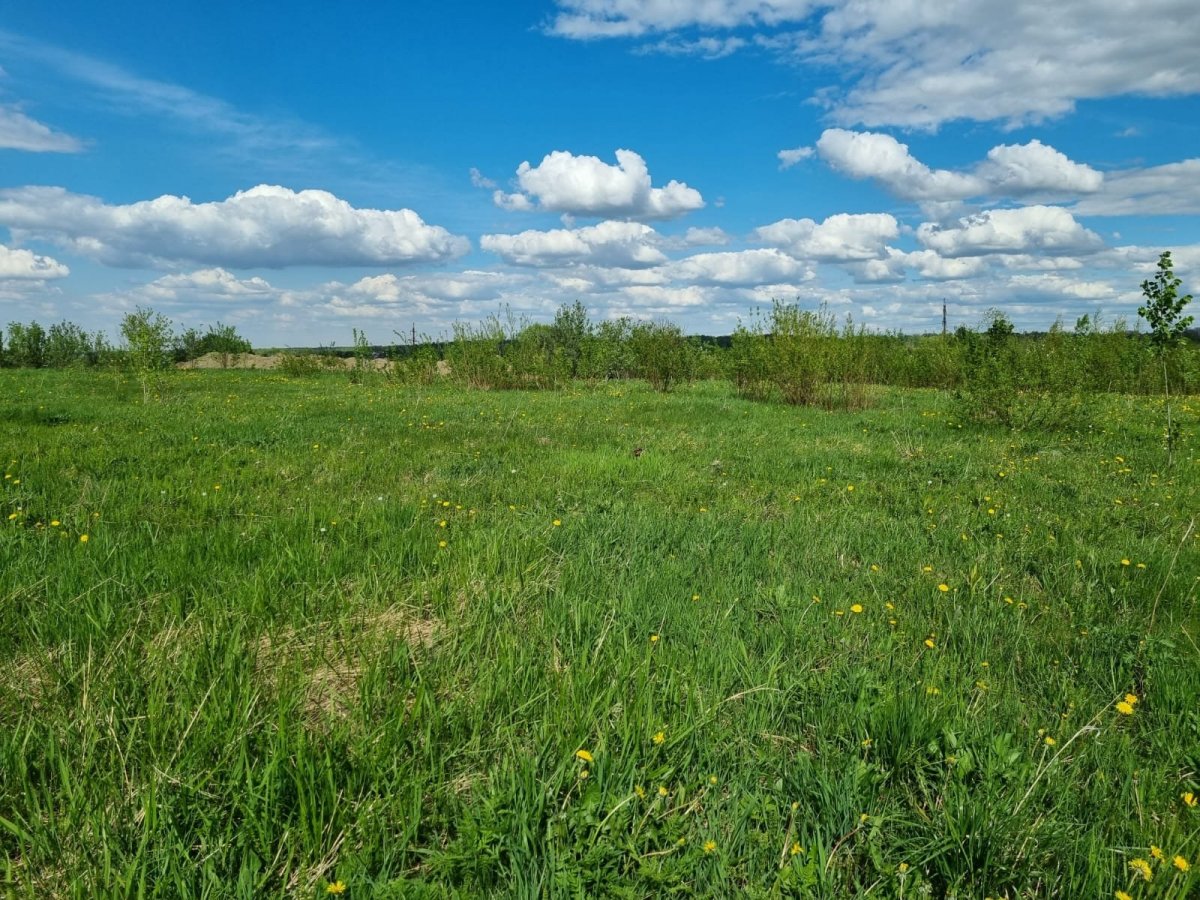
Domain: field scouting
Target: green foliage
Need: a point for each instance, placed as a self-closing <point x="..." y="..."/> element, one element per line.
<point x="661" y="354"/>
<point x="223" y="339"/>
<point x="1163" y="310"/>
<point x="26" y="346"/>
<point x="148" y="341"/>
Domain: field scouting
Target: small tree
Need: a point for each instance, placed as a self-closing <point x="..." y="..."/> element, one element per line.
<point x="1163" y="312"/>
<point x="148" y="341"/>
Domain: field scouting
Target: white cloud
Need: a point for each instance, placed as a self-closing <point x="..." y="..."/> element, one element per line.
<point x="934" y="267"/>
<point x="588" y="186"/>
<point x="265" y="226"/>
<point x="1036" y="168"/>
<point x="882" y="157"/>
<point x="1171" y="189"/>
<point x="705" y="48"/>
<point x="918" y="64"/>
<point x="610" y="243"/>
<point x="705" y="237"/>
<point x="1009" y="170"/>
<point x="741" y="269"/>
<point x="1025" y="230"/>
<point x="789" y="158"/>
<point x="24" y="264"/>
<point x="840" y="238"/>
<point x="210" y="283"/>
<point x="19" y="132"/>
<point x="479" y="180"/>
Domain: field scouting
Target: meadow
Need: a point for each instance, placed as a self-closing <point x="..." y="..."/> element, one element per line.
<point x="294" y="636"/>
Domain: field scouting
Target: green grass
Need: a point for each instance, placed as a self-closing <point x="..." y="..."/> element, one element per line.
<point x="259" y="688"/>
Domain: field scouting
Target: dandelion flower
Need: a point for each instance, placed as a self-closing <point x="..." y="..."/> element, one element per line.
<point x="1142" y="868"/>
<point x="929" y="643"/>
<point x="710" y="846"/>
<point x="659" y="737"/>
<point x="640" y="791"/>
<point x="557" y="522"/>
<point x="1125" y="708"/>
<point x="1131" y="699"/>
<point x="83" y="539"/>
<point x="583" y="773"/>
<point x="1188" y="798"/>
<point x="1121" y="895"/>
<point x="662" y="791"/>
<point x="1181" y="863"/>
<point x="335" y="887"/>
<point x="1156" y="853"/>
<point x="943" y="587"/>
<point x="654" y="638"/>
<point x="1050" y="742"/>
<point x="856" y="608"/>
<point x="584" y="755"/>
<point x="796" y="848"/>
<point x="54" y="523"/>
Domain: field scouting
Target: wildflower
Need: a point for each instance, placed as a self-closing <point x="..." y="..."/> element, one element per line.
<point x="1131" y="699"/>
<point x="659" y="737"/>
<point x="902" y="868"/>
<point x="856" y="608"/>
<point x="929" y="643"/>
<point x="712" y="779"/>
<point x="850" y="487"/>
<point x="662" y="791"/>
<point x="54" y="523"/>
<point x="640" y="791"/>
<point x="441" y="543"/>
<point x="943" y="587"/>
<point x="1050" y="742"/>
<point x="867" y="742"/>
<point x="83" y="539"/>
<point x="584" y="755"/>
<point x="557" y="522"/>
<point x="583" y="774"/>
<point x="1121" y="895"/>
<point x="933" y="690"/>
<point x="1156" y="853"/>
<point x="1188" y="798"/>
<point x="1142" y="867"/>
<point x="1125" y="708"/>
<point x="710" y="846"/>
<point x="1124" y="562"/>
<point x="796" y="848"/>
<point x="1181" y="863"/>
<point x="335" y="887"/>
<point x="695" y="597"/>
<point x="654" y="638"/>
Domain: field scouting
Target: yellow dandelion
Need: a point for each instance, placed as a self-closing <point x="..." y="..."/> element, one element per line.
<point x="584" y="755"/>
<point x="1125" y="708"/>
<point x="1049" y="741"/>
<point x="902" y="868"/>
<point x="929" y="643"/>
<point x="1156" y="853"/>
<point x="1121" y="895"/>
<point x="710" y="846"/>
<point x="796" y="848"/>
<point x="1131" y="699"/>
<point x="943" y="587"/>
<point x="640" y="791"/>
<point x="1181" y="863"/>
<point x="583" y="773"/>
<point x="557" y="522"/>
<point x="335" y="887"/>
<point x="1188" y="798"/>
<point x="712" y="779"/>
<point x="654" y="638"/>
<point x="856" y="608"/>
<point x="662" y="791"/>
<point x="659" y="737"/>
<point x="1125" y="562"/>
<point x="1141" y="867"/>
<point x="54" y="523"/>
<point x="441" y="543"/>
<point x="83" y="539"/>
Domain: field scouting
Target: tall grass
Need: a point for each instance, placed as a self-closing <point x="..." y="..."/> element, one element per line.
<point x="599" y="641"/>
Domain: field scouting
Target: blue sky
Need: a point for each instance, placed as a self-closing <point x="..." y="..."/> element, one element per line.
<point x="303" y="170"/>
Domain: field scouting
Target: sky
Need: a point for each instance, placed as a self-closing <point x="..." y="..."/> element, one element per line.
<point x="302" y="170"/>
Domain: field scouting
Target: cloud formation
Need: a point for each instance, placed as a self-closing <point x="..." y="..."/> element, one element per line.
<point x="610" y="243"/>
<point x="24" y="264"/>
<point x="840" y="238"/>
<point x="264" y="227"/>
<point x="1029" y="229"/>
<point x="921" y="64"/>
<point x="19" y="132"/>
<point x="588" y="186"/>
<point x="1010" y="170"/>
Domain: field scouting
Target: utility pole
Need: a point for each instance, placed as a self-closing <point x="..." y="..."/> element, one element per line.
<point x="943" y="317"/>
<point x="414" y="334"/>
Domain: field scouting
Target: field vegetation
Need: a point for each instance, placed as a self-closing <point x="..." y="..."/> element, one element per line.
<point x="818" y="614"/>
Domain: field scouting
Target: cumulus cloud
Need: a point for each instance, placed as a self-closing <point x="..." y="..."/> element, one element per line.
<point x="789" y="158"/>
<point x="1009" y="170"/>
<point x="610" y="243"/>
<point x="479" y="180"/>
<point x="25" y="264"/>
<point x="588" y="186"/>
<point x="882" y="157"/>
<point x="211" y="283"/>
<point x="920" y="64"/>
<point x="265" y="226"/>
<point x="705" y="237"/>
<point x="19" y="132"/>
<point x="742" y="268"/>
<point x="840" y="238"/>
<point x="1029" y="229"/>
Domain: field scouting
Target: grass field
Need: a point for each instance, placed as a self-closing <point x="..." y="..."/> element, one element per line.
<point x="268" y="637"/>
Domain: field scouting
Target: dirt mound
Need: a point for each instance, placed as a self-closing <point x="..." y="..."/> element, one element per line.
<point x="231" y="361"/>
